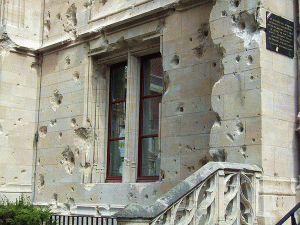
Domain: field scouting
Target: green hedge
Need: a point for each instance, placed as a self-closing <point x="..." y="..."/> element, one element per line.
<point x="22" y="212"/>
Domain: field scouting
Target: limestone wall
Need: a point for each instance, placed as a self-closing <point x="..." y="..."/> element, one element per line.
<point x="18" y="106"/>
<point x="256" y="101"/>
<point x="226" y="97"/>
<point x="73" y="118"/>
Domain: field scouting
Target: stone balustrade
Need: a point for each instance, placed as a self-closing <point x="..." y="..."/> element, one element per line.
<point x="218" y="193"/>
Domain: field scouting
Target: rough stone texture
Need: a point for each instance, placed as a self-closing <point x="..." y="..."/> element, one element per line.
<point x="226" y="98"/>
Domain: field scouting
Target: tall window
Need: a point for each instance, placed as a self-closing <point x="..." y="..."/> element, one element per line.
<point x="117" y="115"/>
<point x="145" y="127"/>
<point x="150" y="98"/>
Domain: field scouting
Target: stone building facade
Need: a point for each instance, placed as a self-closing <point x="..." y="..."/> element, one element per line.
<point x="104" y="103"/>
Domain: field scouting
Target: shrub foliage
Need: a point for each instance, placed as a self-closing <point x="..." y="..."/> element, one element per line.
<point x="22" y="212"/>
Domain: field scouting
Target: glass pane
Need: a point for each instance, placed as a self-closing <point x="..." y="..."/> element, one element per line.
<point x="117" y="124"/>
<point x="153" y="76"/>
<point x="117" y="151"/>
<point x="150" y="160"/>
<point x="151" y="115"/>
<point x="119" y="77"/>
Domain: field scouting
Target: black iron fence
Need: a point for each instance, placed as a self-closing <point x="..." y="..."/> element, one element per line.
<point x="82" y="220"/>
<point x="290" y="214"/>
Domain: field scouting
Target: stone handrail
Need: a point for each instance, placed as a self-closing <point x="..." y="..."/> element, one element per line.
<point x="218" y="193"/>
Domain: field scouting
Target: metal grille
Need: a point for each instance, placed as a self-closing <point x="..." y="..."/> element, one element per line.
<point x="82" y="220"/>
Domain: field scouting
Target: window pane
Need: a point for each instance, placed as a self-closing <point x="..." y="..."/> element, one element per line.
<point x="117" y="151"/>
<point x="150" y="160"/>
<point x="118" y="78"/>
<point x="153" y="76"/>
<point x="118" y="111"/>
<point x="151" y="115"/>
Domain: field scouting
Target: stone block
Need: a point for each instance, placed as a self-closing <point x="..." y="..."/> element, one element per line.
<point x="171" y="168"/>
<point x="192" y="19"/>
<point x="285" y="107"/>
<point x="267" y="103"/>
<point x="242" y="104"/>
<point x="274" y="132"/>
<point x="253" y="131"/>
<point x="170" y="126"/>
<point x="173" y="27"/>
<point x="268" y="160"/>
<point x="196" y="123"/>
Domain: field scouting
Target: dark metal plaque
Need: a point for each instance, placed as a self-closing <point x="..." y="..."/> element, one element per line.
<point x="280" y="35"/>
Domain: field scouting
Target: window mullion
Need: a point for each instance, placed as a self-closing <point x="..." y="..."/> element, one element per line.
<point x="132" y="122"/>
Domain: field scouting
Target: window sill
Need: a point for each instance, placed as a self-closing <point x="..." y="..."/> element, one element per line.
<point x="147" y="179"/>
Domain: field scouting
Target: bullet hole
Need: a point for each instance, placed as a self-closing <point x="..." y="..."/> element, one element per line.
<point x="241" y="25"/>
<point x="68" y="160"/>
<point x="191" y="39"/>
<point x="83" y="133"/>
<point x="249" y="60"/>
<point x="47" y="25"/>
<point x="55" y="197"/>
<point x="131" y="196"/>
<point x="53" y="122"/>
<point x="162" y="174"/>
<point x="23" y="171"/>
<point x="76" y="76"/>
<point x="91" y="199"/>
<point x="236" y="3"/>
<point x="188" y="148"/>
<point x="1" y="129"/>
<point x="214" y="64"/>
<point x="176" y="172"/>
<point x="198" y="51"/>
<point x="56" y="99"/>
<point x="174" y="160"/>
<point x="146" y="196"/>
<point x="240" y="128"/>
<point x="243" y="151"/>
<point x="58" y="16"/>
<point x="59" y="134"/>
<point x="251" y="78"/>
<point x="41" y="182"/>
<point x="191" y="168"/>
<point x="73" y="122"/>
<point x="175" y="61"/>
<point x="16" y="178"/>
<point x="253" y="139"/>
<point x="219" y="97"/>
<point x="237" y="59"/>
<point x="219" y="155"/>
<point x="181" y="109"/>
<point x="224" y="13"/>
<point x="72" y="189"/>
<point x="237" y="116"/>
<point x="43" y="131"/>
<point x="230" y="137"/>
<point x="68" y="61"/>
<point x="221" y="51"/>
<point x="233" y="18"/>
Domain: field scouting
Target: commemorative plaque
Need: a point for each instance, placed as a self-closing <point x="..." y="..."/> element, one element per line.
<point x="280" y="35"/>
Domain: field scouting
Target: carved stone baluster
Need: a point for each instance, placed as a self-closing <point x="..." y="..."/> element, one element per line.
<point x="221" y="198"/>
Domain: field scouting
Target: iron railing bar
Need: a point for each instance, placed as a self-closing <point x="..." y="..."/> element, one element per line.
<point x="289" y="214"/>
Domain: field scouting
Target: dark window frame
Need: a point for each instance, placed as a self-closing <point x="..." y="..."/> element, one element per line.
<point x="141" y="178"/>
<point x="112" y="179"/>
